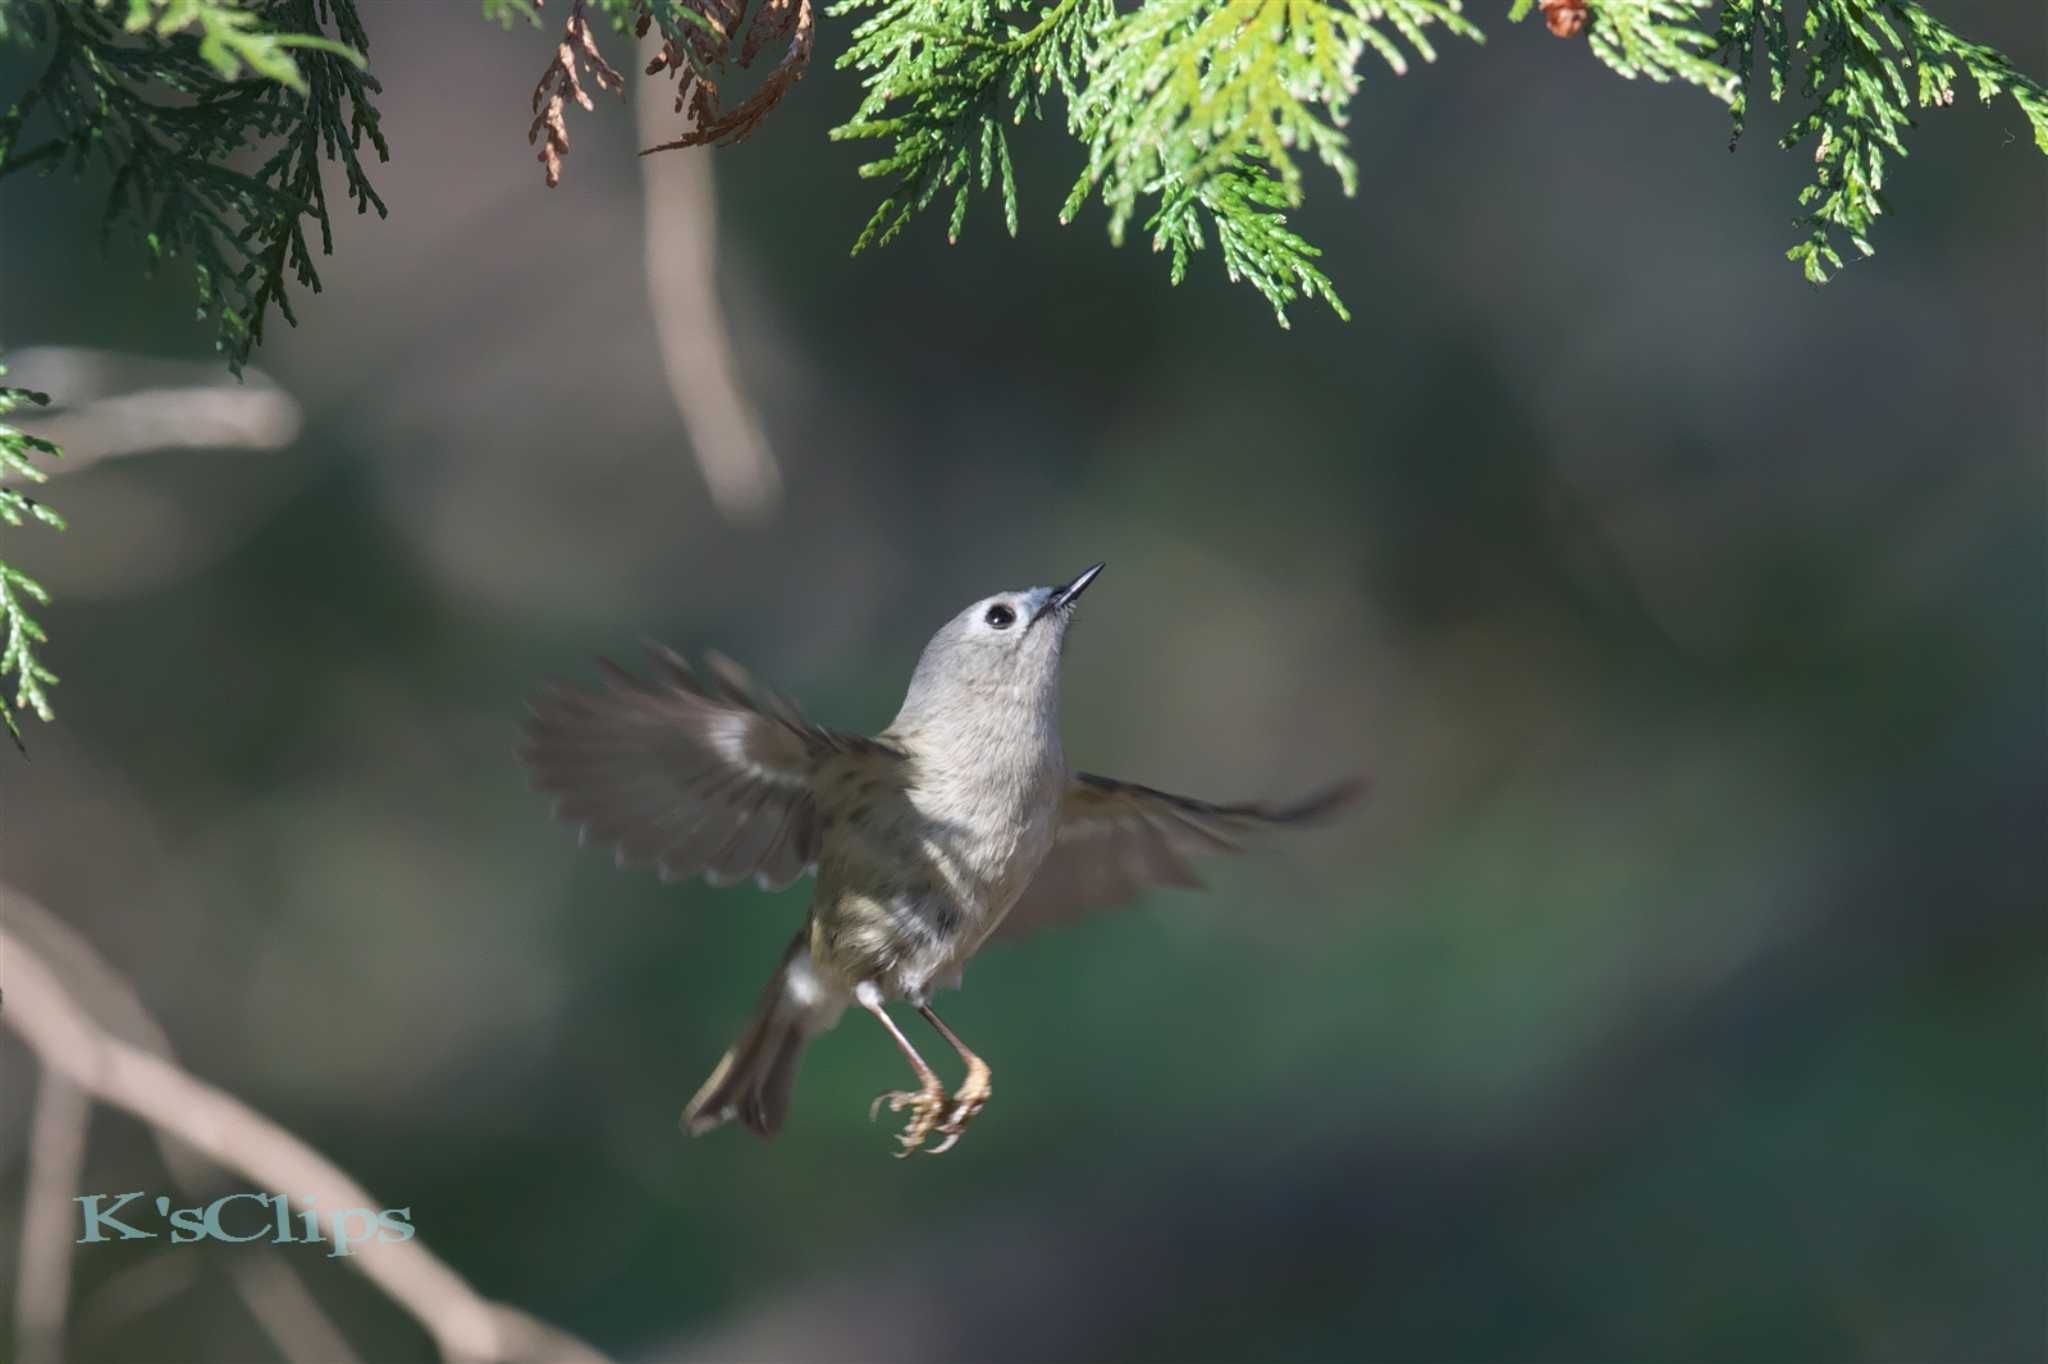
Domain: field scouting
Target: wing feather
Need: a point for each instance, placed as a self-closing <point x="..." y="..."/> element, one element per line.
<point x="1117" y="840"/>
<point x="699" y="774"/>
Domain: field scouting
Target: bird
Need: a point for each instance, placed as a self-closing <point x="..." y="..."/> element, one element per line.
<point x="959" y="824"/>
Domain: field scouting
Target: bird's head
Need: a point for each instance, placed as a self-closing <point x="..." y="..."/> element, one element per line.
<point x="1003" y="650"/>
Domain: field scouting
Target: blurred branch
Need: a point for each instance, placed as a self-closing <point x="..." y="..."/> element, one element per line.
<point x="273" y="1293"/>
<point x="56" y="1158"/>
<point x="130" y="419"/>
<point x="75" y="1049"/>
<point x="107" y="410"/>
<point x="287" y="1311"/>
<point x="120" y="1298"/>
<point x="696" y="352"/>
<point x="170" y="419"/>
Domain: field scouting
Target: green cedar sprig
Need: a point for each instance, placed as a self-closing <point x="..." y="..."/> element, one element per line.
<point x="1864" y="66"/>
<point x="22" y="671"/>
<point x="945" y="81"/>
<point x="1205" y="104"/>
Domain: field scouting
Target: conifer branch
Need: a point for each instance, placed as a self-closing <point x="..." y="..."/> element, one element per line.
<point x="20" y="635"/>
<point x="170" y="99"/>
<point x="1206" y="103"/>
<point x="697" y="48"/>
<point x="946" y="79"/>
<point x="559" y="84"/>
<point x="699" y="43"/>
<point x="1244" y="204"/>
<point x="1207" y="111"/>
<point x="1865" y="65"/>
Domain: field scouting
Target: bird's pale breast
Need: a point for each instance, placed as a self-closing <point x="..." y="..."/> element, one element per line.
<point x="914" y="873"/>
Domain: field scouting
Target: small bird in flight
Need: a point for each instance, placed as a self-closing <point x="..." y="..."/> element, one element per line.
<point x="958" y="823"/>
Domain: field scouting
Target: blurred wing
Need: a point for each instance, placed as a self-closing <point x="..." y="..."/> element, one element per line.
<point x="1118" y="840"/>
<point x="697" y="775"/>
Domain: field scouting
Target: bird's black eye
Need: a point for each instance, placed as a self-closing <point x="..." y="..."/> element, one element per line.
<point x="1001" y="616"/>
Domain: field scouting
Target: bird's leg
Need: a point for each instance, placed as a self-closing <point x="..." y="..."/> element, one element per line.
<point x="973" y="1091"/>
<point x="928" y="1102"/>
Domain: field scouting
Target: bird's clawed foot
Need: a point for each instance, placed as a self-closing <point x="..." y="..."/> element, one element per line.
<point x="967" y="1101"/>
<point x="927" y="1106"/>
<point x="931" y="1108"/>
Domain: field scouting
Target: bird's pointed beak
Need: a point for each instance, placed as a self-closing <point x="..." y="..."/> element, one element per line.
<point x="1068" y="595"/>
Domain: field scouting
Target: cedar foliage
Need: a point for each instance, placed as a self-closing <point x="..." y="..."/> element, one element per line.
<point x="1193" y="118"/>
<point x="213" y="121"/>
<point x="21" y="668"/>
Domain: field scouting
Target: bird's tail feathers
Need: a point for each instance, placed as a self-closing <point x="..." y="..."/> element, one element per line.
<point x="754" y="1080"/>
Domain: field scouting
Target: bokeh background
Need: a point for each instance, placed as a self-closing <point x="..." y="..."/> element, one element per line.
<point x="1678" y="996"/>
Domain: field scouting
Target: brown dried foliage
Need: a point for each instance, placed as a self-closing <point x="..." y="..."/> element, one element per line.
<point x="1565" y="18"/>
<point x="559" y="84"/>
<point x="699" y="56"/>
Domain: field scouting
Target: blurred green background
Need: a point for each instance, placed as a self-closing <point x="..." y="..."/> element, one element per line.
<point x="1676" y="997"/>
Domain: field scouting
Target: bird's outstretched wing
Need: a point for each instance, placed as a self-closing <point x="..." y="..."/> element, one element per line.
<point x="695" y="774"/>
<point x="1117" y="840"/>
